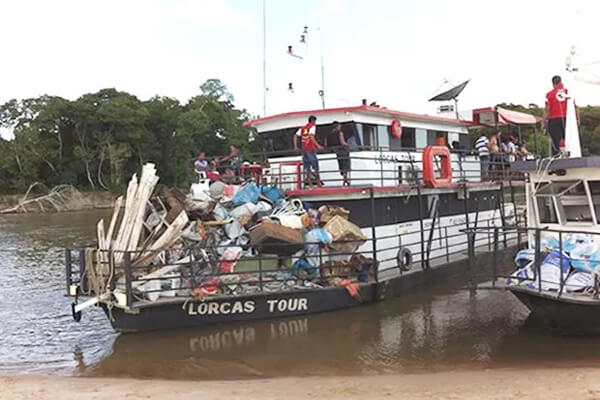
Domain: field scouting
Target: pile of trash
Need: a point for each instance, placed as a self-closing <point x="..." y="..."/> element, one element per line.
<point x="580" y="262"/>
<point x="221" y="239"/>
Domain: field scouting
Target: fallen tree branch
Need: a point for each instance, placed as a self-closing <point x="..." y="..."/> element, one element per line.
<point x="56" y="199"/>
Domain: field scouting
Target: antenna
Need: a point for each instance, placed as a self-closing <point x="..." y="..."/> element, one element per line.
<point x="451" y="94"/>
<point x="264" y="58"/>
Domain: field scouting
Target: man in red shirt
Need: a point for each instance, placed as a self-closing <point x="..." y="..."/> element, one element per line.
<point x="307" y="133"/>
<point x="555" y="113"/>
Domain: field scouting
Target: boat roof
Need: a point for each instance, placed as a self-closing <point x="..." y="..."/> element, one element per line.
<point x="492" y="116"/>
<point x="559" y="163"/>
<point x="345" y="114"/>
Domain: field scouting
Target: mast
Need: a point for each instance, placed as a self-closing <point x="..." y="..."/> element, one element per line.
<point x="572" y="142"/>
<point x="264" y="58"/>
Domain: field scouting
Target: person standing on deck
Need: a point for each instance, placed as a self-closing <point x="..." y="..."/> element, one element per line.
<point x="307" y="134"/>
<point x="235" y="159"/>
<point x="483" y="150"/>
<point x="555" y="113"/>
<point x="336" y="141"/>
<point x="495" y="154"/>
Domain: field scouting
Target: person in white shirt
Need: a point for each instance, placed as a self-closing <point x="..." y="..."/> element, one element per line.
<point x="482" y="146"/>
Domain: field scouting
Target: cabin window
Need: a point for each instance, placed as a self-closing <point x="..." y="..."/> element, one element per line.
<point x="464" y="141"/>
<point x="432" y="137"/>
<point x="595" y="193"/>
<point x="408" y="138"/>
<point x="383" y="137"/>
<point x="369" y="138"/>
<point x="570" y="199"/>
<point x="420" y="138"/>
<point x="280" y="142"/>
<point x="546" y="211"/>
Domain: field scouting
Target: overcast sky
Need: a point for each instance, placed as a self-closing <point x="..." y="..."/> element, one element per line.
<point x="397" y="53"/>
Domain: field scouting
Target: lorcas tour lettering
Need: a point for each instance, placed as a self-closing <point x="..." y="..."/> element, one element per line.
<point x="214" y="308"/>
<point x="293" y="304"/>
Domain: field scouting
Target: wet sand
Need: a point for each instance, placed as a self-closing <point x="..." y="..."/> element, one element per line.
<point x="547" y="384"/>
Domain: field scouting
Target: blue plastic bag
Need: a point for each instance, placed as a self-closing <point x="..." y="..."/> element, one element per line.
<point x="303" y="270"/>
<point x="318" y="235"/>
<point x="247" y="194"/>
<point x="272" y="193"/>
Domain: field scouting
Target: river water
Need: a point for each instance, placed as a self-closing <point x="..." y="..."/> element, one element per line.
<point x="438" y="328"/>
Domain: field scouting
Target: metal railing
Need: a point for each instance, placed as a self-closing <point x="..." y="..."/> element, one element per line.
<point x="550" y="260"/>
<point x="378" y="167"/>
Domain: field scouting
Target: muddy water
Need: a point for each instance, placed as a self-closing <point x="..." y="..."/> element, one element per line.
<point x="437" y="329"/>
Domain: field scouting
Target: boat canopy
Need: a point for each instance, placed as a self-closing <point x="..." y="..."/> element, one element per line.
<point x="498" y="116"/>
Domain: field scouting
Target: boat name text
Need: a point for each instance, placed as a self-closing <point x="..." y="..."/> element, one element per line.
<point x="247" y="307"/>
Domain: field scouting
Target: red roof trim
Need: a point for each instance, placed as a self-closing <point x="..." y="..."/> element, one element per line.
<point x="359" y="108"/>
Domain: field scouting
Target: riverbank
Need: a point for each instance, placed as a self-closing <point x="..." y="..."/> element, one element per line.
<point x="78" y="202"/>
<point x="547" y="384"/>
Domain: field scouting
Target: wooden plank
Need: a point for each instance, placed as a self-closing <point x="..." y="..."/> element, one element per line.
<point x="113" y="222"/>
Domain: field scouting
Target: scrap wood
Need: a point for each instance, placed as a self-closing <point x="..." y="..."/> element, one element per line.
<point x="125" y="227"/>
<point x="113" y="223"/>
<point x="148" y="181"/>
<point x="170" y="235"/>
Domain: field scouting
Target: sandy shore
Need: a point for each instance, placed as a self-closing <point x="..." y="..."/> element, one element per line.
<point x="547" y="384"/>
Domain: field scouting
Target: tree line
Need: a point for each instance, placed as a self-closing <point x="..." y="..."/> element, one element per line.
<point x="98" y="140"/>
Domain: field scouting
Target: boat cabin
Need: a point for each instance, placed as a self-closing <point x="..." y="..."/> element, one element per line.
<point x="563" y="194"/>
<point x="386" y="145"/>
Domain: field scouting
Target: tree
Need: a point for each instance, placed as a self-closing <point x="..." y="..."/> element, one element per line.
<point x="101" y="138"/>
<point x="216" y="89"/>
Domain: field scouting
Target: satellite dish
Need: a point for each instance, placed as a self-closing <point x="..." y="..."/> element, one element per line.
<point x="451" y="94"/>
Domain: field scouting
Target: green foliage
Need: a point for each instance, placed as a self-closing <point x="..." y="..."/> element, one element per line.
<point x="102" y="138"/>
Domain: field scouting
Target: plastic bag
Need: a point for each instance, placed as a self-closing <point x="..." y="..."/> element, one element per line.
<point x="579" y="281"/>
<point x="234" y="229"/>
<point x="272" y="193"/>
<point x="291" y="221"/>
<point x="318" y="235"/>
<point x="263" y="206"/>
<point x="248" y="209"/>
<point x="229" y="259"/>
<point x="303" y="269"/>
<point x="247" y="194"/>
<point x="220" y="213"/>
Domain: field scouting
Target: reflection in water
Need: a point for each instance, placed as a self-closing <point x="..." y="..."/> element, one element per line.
<point x="437" y="328"/>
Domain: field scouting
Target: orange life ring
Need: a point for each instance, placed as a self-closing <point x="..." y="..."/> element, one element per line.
<point x="429" y="177"/>
<point x="396" y="129"/>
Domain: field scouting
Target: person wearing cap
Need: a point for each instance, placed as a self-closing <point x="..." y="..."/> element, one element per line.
<point x="555" y="113"/>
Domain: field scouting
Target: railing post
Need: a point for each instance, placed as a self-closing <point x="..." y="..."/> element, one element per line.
<point x="260" y="273"/>
<point x="560" y="247"/>
<point x="69" y="269"/>
<point x="82" y="268"/>
<point x="420" y="199"/>
<point x="495" y="262"/>
<point x="447" y="247"/>
<point x="381" y="165"/>
<point x="373" y="235"/>
<point x="128" y="277"/>
<point x="537" y="260"/>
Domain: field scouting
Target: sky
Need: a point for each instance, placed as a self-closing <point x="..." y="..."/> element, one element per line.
<point x="397" y="53"/>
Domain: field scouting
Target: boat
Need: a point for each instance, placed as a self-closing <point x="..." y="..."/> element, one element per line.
<point x="555" y="276"/>
<point x="408" y="204"/>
